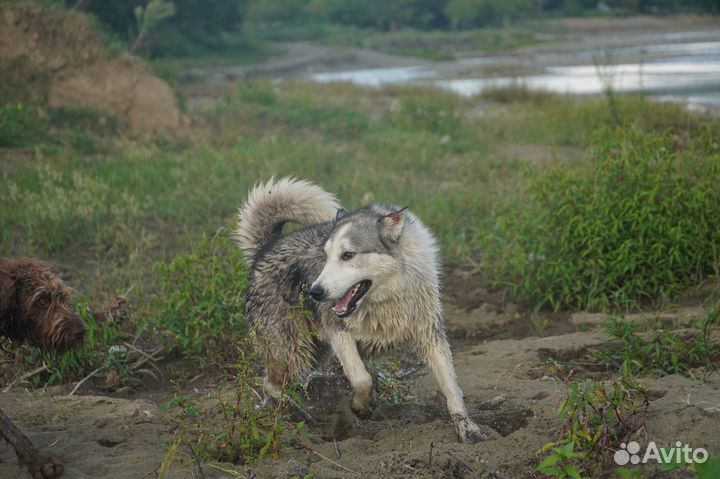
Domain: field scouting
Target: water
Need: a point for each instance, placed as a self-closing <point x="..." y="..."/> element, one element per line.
<point x="688" y="72"/>
<point x="653" y="78"/>
<point x="376" y="77"/>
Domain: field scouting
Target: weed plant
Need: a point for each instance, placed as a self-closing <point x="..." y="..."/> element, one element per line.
<point x="659" y="352"/>
<point x="200" y="306"/>
<point x="236" y="427"/>
<point x="597" y="416"/>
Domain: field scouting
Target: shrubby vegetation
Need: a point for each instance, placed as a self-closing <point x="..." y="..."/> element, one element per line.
<point x="637" y="226"/>
<point x="201" y="303"/>
<point x="595" y="417"/>
<point x="659" y="351"/>
<point x="599" y="413"/>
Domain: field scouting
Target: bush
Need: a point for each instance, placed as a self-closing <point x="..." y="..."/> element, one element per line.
<point x="200" y="308"/>
<point x="20" y="125"/>
<point x="640" y="225"/>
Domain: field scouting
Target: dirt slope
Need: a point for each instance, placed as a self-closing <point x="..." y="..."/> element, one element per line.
<point x="59" y="56"/>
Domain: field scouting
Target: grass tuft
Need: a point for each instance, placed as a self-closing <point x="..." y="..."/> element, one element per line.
<point x="661" y="352"/>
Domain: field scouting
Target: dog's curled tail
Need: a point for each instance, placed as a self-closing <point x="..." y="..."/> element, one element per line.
<point x="270" y="205"/>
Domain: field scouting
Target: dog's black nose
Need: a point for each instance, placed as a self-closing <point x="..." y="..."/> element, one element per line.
<point x="317" y="292"/>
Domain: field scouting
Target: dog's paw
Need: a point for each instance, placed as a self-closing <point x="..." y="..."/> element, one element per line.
<point x="468" y="431"/>
<point x="362" y="410"/>
<point x="42" y="467"/>
<point x="364" y="402"/>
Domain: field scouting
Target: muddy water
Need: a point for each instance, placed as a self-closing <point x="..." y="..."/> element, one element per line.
<point x="682" y="66"/>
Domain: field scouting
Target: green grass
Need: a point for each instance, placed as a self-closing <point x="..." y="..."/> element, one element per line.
<point x="541" y="117"/>
<point x="19" y="125"/>
<point x="50" y="129"/>
<point x="661" y="351"/>
<point x="200" y="306"/>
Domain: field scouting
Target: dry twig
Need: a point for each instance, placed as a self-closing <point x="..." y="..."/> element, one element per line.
<point x="26" y="376"/>
<point x="82" y="381"/>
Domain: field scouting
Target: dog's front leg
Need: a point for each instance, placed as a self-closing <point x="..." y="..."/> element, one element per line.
<point x="438" y="356"/>
<point x="346" y="350"/>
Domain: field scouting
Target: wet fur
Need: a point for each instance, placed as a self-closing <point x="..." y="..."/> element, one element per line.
<point x="402" y="306"/>
<point x="35" y="306"/>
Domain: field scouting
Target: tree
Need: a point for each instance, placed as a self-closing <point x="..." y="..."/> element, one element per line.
<point x="149" y="17"/>
<point x="464" y="13"/>
<point x="268" y="12"/>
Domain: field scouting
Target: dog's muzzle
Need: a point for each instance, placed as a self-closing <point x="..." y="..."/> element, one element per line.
<point x="317" y="292"/>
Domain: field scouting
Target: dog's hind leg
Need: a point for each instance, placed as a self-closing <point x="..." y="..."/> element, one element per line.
<point x="288" y="351"/>
<point x="284" y="365"/>
<point x="345" y="349"/>
<point x="438" y="356"/>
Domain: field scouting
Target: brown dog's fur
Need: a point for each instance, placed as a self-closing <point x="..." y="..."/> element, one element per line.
<point x="35" y="306"/>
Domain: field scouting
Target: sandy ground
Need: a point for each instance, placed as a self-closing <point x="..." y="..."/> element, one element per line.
<point x="499" y="366"/>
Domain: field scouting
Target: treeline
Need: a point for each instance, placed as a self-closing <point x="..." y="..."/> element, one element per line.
<point x="204" y="22"/>
<point x="387" y="15"/>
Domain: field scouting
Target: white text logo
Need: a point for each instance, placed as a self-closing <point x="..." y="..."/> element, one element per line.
<point x="681" y="453"/>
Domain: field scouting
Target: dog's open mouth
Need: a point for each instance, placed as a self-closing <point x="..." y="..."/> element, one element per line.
<point x="348" y="303"/>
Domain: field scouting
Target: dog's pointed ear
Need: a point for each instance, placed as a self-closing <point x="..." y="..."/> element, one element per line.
<point x="340" y="214"/>
<point x="392" y="225"/>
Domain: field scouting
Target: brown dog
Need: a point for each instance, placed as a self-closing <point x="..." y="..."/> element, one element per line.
<point x="35" y="306"/>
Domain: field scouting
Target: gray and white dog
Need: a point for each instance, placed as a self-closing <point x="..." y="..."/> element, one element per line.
<point x="371" y="276"/>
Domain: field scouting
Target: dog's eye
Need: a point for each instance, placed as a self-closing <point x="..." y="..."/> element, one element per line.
<point x="347" y="255"/>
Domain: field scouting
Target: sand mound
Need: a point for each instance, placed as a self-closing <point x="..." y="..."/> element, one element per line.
<point x="67" y="52"/>
<point x="124" y="87"/>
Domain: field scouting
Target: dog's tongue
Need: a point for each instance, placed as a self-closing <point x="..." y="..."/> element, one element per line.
<point x="342" y="305"/>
